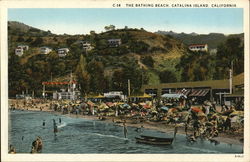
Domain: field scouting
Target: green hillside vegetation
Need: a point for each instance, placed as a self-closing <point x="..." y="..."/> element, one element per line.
<point x="135" y="59"/>
<point x="143" y="58"/>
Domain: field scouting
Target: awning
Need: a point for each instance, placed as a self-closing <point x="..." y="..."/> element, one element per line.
<point x="173" y="95"/>
<point x="183" y="91"/>
<point x="199" y="92"/>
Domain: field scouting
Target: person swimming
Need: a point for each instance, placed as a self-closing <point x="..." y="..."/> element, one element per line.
<point x="125" y="130"/>
<point x="43" y="122"/>
<point x="55" y="127"/>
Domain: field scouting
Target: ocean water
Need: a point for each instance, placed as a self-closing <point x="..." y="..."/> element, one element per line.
<point x="84" y="136"/>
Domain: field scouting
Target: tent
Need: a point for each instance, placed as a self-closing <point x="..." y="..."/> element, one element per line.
<point x="173" y="95"/>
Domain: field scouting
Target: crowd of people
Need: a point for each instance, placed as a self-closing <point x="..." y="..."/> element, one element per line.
<point x="207" y="120"/>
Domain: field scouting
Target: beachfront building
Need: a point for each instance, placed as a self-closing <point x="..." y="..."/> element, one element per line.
<point x="87" y="46"/>
<point x="213" y="90"/>
<point x="115" y="95"/>
<point x="62" y="52"/>
<point x="45" y="50"/>
<point x="66" y="95"/>
<point x="114" y="42"/>
<point x="198" y="47"/>
<point x="19" y="51"/>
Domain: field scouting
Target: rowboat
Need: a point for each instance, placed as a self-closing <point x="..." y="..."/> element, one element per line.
<point x="154" y="140"/>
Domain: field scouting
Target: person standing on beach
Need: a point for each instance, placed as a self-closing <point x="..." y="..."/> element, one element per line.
<point x="125" y="130"/>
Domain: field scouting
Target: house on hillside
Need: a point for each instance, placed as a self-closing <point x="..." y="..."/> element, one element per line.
<point x="20" y="49"/>
<point x="19" y="52"/>
<point x="213" y="51"/>
<point x="114" y="42"/>
<point x="24" y="47"/>
<point x="198" y="47"/>
<point x="62" y="52"/>
<point x="45" y="50"/>
<point x="87" y="46"/>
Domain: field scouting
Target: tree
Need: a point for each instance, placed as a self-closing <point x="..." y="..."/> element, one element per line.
<point x="70" y="41"/>
<point x="20" y="39"/>
<point x="109" y="28"/>
<point x="148" y="60"/>
<point x="37" y="42"/>
<point x="167" y="76"/>
<point x="83" y="77"/>
<point x="29" y="40"/>
<point x="229" y="53"/>
<point x="96" y="73"/>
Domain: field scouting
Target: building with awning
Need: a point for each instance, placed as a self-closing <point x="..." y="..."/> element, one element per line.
<point x="209" y="89"/>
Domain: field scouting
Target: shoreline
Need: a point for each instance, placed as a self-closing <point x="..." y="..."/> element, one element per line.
<point x="158" y="126"/>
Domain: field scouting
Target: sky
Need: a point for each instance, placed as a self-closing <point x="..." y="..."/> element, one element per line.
<point x="83" y="20"/>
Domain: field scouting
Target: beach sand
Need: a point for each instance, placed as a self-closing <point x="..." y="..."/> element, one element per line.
<point x="159" y="126"/>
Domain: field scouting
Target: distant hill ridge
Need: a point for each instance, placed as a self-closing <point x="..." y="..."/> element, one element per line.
<point x="19" y="28"/>
<point x="212" y="39"/>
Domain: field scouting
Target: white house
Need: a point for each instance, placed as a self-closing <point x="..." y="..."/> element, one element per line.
<point x="45" y="50"/>
<point x="86" y="46"/>
<point x="24" y="47"/>
<point x="19" y="51"/>
<point x="114" y="42"/>
<point x="62" y="52"/>
<point x="198" y="47"/>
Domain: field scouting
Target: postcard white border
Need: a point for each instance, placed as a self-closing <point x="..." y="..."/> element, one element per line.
<point x="111" y="157"/>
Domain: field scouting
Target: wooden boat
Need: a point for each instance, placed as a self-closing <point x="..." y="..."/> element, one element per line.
<point x="154" y="140"/>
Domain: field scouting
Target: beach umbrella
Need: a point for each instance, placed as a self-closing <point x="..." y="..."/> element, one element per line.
<point x="237" y="113"/>
<point x="173" y="110"/>
<point x="201" y="114"/>
<point x="196" y="109"/>
<point x="90" y="103"/>
<point x="165" y="108"/>
<point x="103" y="106"/>
<point x="227" y="112"/>
<point x="110" y="104"/>
<point x="146" y="106"/>
<point x="127" y="106"/>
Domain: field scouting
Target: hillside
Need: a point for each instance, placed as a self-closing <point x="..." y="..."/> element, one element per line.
<point x="147" y="53"/>
<point x="212" y="39"/>
<point x="21" y="29"/>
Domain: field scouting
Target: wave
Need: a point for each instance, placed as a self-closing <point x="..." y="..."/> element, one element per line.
<point x="62" y="125"/>
<point x="104" y="135"/>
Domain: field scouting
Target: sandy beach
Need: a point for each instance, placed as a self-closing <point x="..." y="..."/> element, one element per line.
<point x="224" y="137"/>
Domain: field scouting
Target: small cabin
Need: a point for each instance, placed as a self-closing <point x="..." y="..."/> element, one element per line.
<point x="62" y="52"/>
<point x="45" y="50"/>
<point x="198" y="47"/>
<point x="87" y="46"/>
<point x="19" y="51"/>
